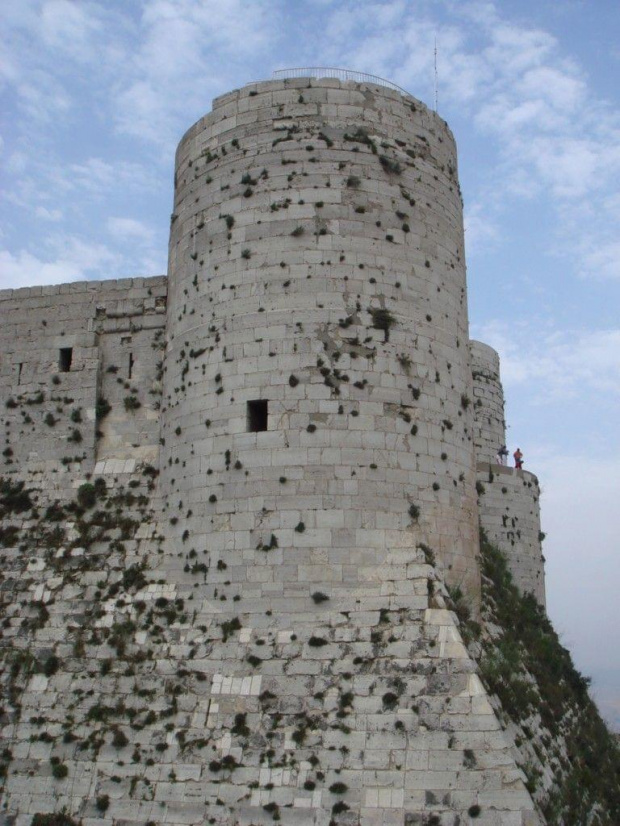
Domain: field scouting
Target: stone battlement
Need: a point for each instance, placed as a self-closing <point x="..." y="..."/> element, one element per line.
<point x="125" y="285"/>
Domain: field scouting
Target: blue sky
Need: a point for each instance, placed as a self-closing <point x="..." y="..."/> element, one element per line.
<point x="96" y="95"/>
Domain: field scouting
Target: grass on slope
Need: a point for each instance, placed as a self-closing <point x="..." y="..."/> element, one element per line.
<point x="586" y="788"/>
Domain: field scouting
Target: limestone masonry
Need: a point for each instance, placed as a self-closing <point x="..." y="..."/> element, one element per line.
<point x="281" y="454"/>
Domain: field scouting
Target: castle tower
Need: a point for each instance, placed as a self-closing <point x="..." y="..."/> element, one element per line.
<point x="317" y="385"/>
<point x="508" y="499"/>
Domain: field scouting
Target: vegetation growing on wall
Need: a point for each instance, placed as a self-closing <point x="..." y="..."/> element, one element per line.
<point x="524" y="664"/>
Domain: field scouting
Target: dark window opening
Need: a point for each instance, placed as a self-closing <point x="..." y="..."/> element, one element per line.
<point x="130" y="371"/>
<point x="64" y="359"/>
<point x="19" y="373"/>
<point x="257" y="416"/>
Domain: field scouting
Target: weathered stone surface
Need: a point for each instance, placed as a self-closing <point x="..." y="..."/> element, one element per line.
<point x="250" y="625"/>
<point x="508" y="499"/>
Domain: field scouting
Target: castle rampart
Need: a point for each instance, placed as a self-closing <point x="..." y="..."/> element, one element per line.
<point x="79" y="374"/>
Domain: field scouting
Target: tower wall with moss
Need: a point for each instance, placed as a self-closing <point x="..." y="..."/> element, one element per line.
<point x="509" y="505"/>
<point x="508" y="499"/>
<point x="317" y="265"/>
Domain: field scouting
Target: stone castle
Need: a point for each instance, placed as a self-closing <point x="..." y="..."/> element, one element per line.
<point x="281" y="454"/>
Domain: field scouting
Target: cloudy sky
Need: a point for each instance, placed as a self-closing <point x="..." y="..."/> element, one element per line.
<point x="97" y="94"/>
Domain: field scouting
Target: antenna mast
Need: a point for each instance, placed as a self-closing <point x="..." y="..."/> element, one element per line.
<point x="436" y="83"/>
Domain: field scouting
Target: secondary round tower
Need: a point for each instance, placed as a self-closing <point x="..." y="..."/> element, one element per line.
<point x="317" y="388"/>
<point x="489" y="419"/>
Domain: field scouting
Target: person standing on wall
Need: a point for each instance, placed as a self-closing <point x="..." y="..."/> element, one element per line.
<point x="518" y="457"/>
<point x="502" y="456"/>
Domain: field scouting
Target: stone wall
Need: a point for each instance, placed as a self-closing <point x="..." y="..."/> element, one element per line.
<point x="316" y="263"/>
<point x="128" y="700"/>
<point x="78" y="373"/>
<point x="510" y="515"/>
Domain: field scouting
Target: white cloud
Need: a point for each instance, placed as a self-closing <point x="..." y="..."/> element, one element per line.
<point x="70" y="28"/>
<point x="129" y="228"/>
<point x="185" y="48"/>
<point x="481" y="230"/>
<point x="579" y="513"/>
<point x="39" y="184"/>
<point x="60" y="258"/>
<point x="48" y="214"/>
<point x="555" y="365"/>
<point x="601" y="260"/>
<point x="72" y="260"/>
<point x="557" y="141"/>
<point x="44" y="42"/>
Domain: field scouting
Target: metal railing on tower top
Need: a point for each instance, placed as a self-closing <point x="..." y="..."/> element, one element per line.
<point x="339" y="74"/>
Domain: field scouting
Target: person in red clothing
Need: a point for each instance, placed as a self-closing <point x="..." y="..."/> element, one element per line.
<point x="518" y="457"/>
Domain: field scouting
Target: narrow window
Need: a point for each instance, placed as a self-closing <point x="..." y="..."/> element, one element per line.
<point x="257" y="416"/>
<point x="130" y="371"/>
<point x="19" y="373"/>
<point x="64" y="359"/>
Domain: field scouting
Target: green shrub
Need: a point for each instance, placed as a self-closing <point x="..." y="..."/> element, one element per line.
<point x="382" y="319"/>
<point x="59" y="771"/>
<point x="390" y="700"/>
<point x="102" y="408"/>
<point x="54" y="819"/>
<point x="229" y="626"/>
<point x="14" y="498"/>
<point x="390" y="165"/>
<point x="120" y="739"/>
<point x="240" y="726"/>
<point x="86" y="496"/>
<point x="131" y="403"/>
<point x="103" y="803"/>
<point x="51" y="665"/>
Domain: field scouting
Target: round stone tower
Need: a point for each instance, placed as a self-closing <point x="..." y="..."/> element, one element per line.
<point x="317" y="388"/>
<point x="489" y="424"/>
